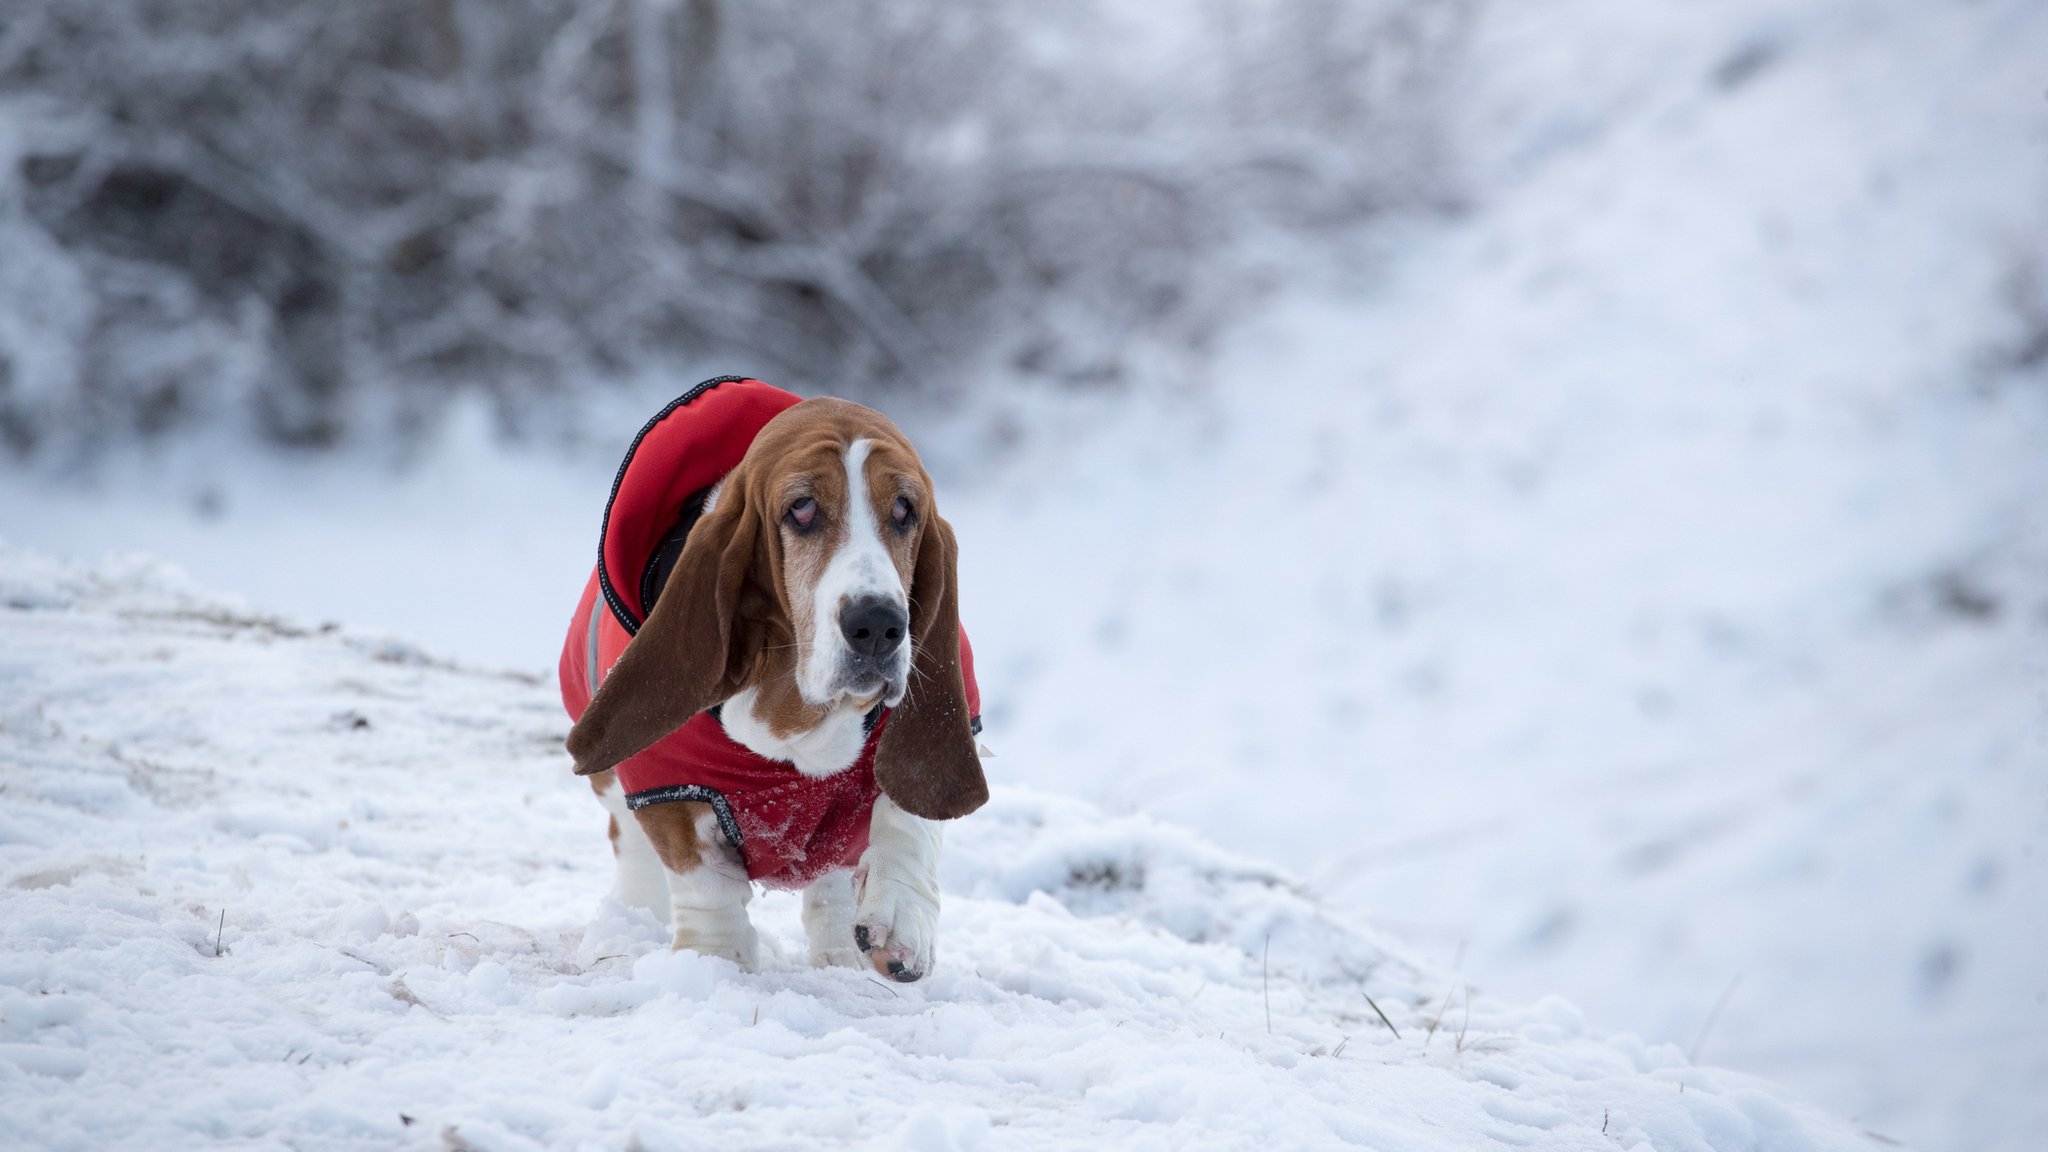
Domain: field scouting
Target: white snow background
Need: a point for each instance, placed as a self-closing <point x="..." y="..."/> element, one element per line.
<point x="272" y="887"/>
<point x="1634" y="588"/>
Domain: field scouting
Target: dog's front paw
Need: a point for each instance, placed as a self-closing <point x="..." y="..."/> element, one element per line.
<point x="896" y="919"/>
<point x="741" y="947"/>
<point x="847" y="957"/>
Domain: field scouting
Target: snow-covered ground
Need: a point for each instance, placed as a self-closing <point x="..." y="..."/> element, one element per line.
<point x="1632" y="588"/>
<point x="277" y="887"/>
<point x="1641" y="586"/>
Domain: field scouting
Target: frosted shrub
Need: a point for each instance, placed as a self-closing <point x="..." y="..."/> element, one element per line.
<point x="313" y="216"/>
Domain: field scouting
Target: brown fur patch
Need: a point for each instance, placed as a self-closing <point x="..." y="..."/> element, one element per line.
<point x="601" y="782"/>
<point x="782" y="707"/>
<point x="673" y="830"/>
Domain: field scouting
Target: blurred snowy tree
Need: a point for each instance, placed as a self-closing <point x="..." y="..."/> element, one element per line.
<point x="328" y="217"/>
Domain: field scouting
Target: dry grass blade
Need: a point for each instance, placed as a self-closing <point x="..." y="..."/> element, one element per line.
<point x="1467" y="1021"/>
<point x="1382" y="1015"/>
<point x="1437" y="1020"/>
<point x="1265" y="988"/>
<point x="1714" y="1017"/>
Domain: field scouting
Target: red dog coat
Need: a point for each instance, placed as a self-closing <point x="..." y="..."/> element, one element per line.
<point x="790" y="828"/>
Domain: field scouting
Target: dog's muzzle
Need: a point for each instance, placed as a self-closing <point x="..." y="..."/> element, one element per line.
<point x="874" y="628"/>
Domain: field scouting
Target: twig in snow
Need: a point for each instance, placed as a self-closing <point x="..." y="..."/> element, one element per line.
<point x="1380" y="1014"/>
<point x="399" y="991"/>
<point x="1339" y="1050"/>
<point x="1714" y="1017"/>
<point x="1466" y="1022"/>
<point x="218" y="931"/>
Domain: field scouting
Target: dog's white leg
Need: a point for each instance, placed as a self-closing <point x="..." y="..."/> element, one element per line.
<point x="638" y="881"/>
<point x="709" y="908"/>
<point x="828" y="921"/>
<point x="896" y="893"/>
<point x="708" y="896"/>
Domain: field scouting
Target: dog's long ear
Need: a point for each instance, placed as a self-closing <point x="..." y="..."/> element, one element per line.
<point x="927" y="762"/>
<point x="687" y="655"/>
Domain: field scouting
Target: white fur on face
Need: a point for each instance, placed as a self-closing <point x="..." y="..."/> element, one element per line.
<point x="861" y="567"/>
<point x="829" y="748"/>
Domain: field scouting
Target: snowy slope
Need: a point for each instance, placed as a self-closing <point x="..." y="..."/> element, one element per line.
<point x="1639" y="586"/>
<point x="272" y="886"/>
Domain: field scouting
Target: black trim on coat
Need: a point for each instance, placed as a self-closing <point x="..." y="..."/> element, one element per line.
<point x="697" y="792"/>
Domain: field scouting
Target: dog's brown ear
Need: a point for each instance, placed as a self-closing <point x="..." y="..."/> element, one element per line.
<point x="687" y="655"/>
<point x="927" y="762"/>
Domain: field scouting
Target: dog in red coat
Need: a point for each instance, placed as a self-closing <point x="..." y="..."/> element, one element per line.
<point x="768" y="677"/>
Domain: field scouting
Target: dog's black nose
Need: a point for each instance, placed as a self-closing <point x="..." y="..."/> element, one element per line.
<point x="873" y="627"/>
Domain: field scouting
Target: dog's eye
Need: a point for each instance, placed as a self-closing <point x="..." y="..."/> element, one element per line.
<point x="900" y="513"/>
<point x="803" y="512"/>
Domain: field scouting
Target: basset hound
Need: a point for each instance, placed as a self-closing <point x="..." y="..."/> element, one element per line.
<point x="768" y="678"/>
